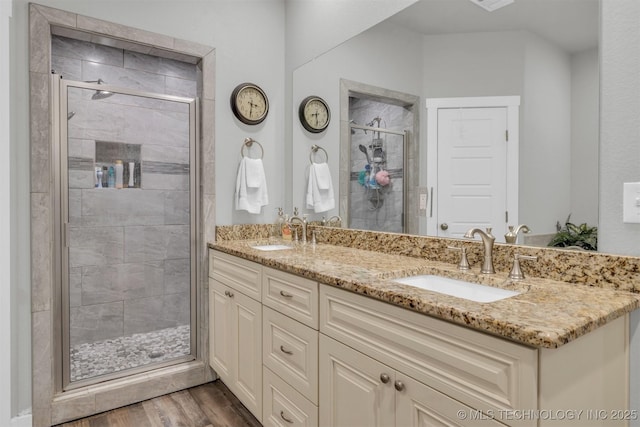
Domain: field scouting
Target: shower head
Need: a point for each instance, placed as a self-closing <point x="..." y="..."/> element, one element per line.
<point x="70" y="114"/>
<point x="100" y="94"/>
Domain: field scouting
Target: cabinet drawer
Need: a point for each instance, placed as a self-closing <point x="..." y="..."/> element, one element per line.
<point x="284" y="406"/>
<point x="290" y="349"/>
<point x="292" y="295"/>
<point x="482" y="371"/>
<point x="237" y="273"/>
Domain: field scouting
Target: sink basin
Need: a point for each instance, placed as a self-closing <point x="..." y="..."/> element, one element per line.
<point x="271" y="247"/>
<point x="457" y="288"/>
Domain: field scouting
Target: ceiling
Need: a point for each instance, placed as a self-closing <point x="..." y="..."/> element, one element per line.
<point x="570" y="24"/>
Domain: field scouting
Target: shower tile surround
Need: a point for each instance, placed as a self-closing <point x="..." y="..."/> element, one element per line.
<point x="124" y="282"/>
<point x="566" y="293"/>
<point x="136" y="60"/>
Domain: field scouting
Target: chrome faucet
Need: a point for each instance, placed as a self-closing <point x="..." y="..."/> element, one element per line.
<point x="512" y="235"/>
<point x="487" y="240"/>
<point x="303" y="223"/>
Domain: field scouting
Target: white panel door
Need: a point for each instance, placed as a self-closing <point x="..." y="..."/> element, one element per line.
<point x="352" y="393"/>
<point x="472" y="170"/>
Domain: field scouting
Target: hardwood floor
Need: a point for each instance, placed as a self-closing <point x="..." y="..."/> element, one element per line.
<point x="208" y="405"/>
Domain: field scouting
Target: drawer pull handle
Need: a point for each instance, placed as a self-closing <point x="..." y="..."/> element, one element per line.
<point x="384" y="378"/>
<point x="399" y="385"/>
<point x="285" y="418"/>
<point x="229" y="294"/>
<point x="285" y="351"/>
<point x="285" y="294"/>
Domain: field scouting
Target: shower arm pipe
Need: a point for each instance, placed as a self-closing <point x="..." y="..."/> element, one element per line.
<point x="393" y="132"/>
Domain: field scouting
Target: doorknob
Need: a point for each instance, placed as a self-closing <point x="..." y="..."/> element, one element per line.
<point x="444" y="226"/>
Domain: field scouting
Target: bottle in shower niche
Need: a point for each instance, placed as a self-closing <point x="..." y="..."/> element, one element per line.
<point x="136" y="175"/>
<point x="118" y="168"/>
<point x="132" y="172"/>
<point x="98" y="177"/>
<point x="112" y="177"/>
<point x="105" y="177"/>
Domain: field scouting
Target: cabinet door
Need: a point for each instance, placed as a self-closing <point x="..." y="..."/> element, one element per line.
<point x="420" y="406"/>
<point x="355" y="390"/>
<point x="247" y="328"/>
<point x="221" y="342"/>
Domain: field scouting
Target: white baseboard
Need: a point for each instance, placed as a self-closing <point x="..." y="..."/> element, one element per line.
<point x="21" y="421"/>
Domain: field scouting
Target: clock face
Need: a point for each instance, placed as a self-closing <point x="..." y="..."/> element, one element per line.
<point x="314" y="114"/>
<point x="249" y="103"/>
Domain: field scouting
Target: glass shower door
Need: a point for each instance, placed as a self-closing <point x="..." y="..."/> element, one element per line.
<point x="127" y="214"/>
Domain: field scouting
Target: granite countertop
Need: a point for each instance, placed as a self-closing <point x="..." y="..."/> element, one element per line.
<point x="547" y="314"/>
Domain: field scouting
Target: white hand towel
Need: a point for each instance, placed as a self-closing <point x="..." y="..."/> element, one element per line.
<point x="323" y="175"/>
<point x="320" y="199"/>
<point x="251" y="198"/>
<point x="254" y="171"/>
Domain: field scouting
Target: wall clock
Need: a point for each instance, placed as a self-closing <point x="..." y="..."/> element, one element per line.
<point x="314" y="114"/>
<point x="249" y="103"/>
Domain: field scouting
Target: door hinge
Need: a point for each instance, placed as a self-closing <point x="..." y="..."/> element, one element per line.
<point x="506" y="216"/>
<point x="506" y="135"/>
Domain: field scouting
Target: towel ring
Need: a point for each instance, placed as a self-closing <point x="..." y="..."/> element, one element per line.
<point x="314" y="149"/>
<point x="248" y="142"/>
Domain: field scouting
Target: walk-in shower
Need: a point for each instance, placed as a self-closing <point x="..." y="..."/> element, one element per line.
<point x="377" y="191"/>
<point x="126" y="194"/>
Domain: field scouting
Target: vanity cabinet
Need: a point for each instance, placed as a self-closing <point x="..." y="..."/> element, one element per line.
<point x="235" y="344"/>
<point x="356" y="390"/>
<point x="446" y="368"/>
<point x="299" y="353"/>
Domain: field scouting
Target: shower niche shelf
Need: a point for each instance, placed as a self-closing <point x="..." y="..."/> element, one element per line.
<point x="108" y="152"/>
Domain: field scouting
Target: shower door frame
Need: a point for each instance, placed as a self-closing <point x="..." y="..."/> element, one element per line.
<point x="405" y="176"/>
<point x="60" y="169"/>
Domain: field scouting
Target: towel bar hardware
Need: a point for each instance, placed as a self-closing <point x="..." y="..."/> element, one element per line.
<point x="248" y="142"/>
<point x="314" y="150"/>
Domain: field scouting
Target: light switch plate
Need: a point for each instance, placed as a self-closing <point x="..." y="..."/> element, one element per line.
<point x="631" y="202"/>
<point x="423" y="198"/>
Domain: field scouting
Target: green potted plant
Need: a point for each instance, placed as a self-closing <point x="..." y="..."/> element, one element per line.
<point x="576" y="236"/>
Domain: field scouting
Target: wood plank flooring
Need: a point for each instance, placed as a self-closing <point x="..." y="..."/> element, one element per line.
<point x="208" y="405"/>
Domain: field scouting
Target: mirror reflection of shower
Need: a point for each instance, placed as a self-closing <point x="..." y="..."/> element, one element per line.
<point x="374" y="177"/>
<point x="377" y="188"/>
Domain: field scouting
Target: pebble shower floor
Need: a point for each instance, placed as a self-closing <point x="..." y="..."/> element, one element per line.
<point x="117" y="354"/>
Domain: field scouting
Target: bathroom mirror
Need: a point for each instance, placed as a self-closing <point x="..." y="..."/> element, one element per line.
<point x="544" y="51"/>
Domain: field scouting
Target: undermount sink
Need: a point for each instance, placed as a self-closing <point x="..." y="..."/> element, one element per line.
<point x="271" y="247"/>
<point x="458" y="288"/>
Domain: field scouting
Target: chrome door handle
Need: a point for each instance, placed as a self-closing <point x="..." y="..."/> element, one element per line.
<point x="399" y="385"/>
<point x="285" y="351"/>
<point x="444" y="226"/>
<point x="285" y="294"/>
<point x="384" y="378"/>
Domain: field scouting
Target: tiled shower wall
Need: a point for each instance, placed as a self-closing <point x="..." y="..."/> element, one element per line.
<point x="129" y="248"/>
<point x="363" y="213"/>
